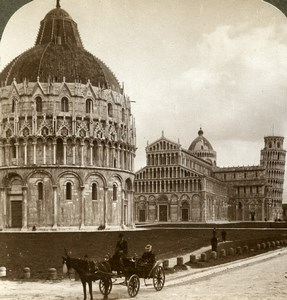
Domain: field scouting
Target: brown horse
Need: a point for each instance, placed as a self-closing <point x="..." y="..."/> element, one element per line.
<point x="89" y="271"/>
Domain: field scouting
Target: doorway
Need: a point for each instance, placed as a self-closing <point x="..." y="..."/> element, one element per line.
<point x="142" y="217"/>
<point x="16" y="214"/>
<point x="163" y="213"/>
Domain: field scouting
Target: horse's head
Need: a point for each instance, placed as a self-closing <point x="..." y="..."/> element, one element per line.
<point x="66" y="262"/>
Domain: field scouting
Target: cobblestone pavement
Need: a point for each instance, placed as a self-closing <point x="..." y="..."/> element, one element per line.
<point x="261" y="279"/>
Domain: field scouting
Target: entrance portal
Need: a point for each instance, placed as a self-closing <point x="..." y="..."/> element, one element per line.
<point x="184" y="214"/>
<point x="163" y="213"/>
<point x="142" y="215"/>
<point x="16" y="214"/>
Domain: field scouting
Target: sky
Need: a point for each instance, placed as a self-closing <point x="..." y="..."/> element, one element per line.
<point x="218" y="64"/>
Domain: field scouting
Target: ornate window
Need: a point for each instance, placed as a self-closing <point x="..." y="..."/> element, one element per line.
<point x="68" y="191"/>
<point x="115" y="192"/>
<point x="13" y="146"/>
<point x="65" y="104"/>
<point x="123" y="115"/>
<point x="40" y="191"/>
<point x="110" y="110"/>
<point x="39" y="104"/>
<point x="89" y="106"/>
<point x="13" y="105"/>
<point x="94" y="191"/>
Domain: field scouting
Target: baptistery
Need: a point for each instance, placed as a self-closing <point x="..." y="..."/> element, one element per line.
<point x="67" y="136"/>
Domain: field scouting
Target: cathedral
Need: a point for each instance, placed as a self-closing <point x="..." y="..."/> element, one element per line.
<point x="67" y="136"/>
<point x="179" y="185"/>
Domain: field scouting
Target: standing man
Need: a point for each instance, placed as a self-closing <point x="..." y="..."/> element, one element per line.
<point x="214" y="241"/>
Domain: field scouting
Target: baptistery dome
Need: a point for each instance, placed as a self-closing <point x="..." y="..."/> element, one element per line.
<point x="58" y="53"/>
<point x="202" y="148"/>
<point x="67" y="136"/>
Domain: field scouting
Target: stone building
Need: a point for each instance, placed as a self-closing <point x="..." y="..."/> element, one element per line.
<point x="178" y="185"/>
<point x="67" y="136"/>
<point x="186" y="185"/>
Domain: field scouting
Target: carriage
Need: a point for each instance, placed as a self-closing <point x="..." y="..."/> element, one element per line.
<point x="132" y="270"/>
<point x="109" y="273"/>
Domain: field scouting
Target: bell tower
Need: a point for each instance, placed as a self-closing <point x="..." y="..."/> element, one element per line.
<point x="273" y="159"/>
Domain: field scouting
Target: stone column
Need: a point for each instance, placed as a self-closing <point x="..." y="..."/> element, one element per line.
<point x="1" y="154"/>
<point x="44" y="153"/>
<point x="7" y="152"/>
<point x="82" y="198"/>
<point x="119" y="157"/>
<point x="123" y="159"/>
<point x="99" y="155"/>
<point x="132" y="210"/>
<point x="2" y="211"/>
<point x="203" y="187"/>
<point x="91" y="154"/>
<point x="34" y="153"/>
<point x="65" y="152"/>
<point x="74" y="153"/>
<point x="106" y="206"/>
<point x="82" y="154"/>
<point x="122" y="208"/>
<point x="107" y="155"/>
<point x="55" y="207"/>
<point x="54" y="153"/>
<point x="25" y="209"/>
<point x="17" y="153"/>
<point x="25" y="153"/>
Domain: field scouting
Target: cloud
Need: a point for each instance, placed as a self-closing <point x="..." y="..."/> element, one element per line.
<point x="236" y="82"/>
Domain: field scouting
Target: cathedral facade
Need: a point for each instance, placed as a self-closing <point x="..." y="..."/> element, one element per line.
<point x="179" y="185"/>
<point x="67" y="136"/>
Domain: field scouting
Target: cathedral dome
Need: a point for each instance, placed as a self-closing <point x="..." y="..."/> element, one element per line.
<point x="200" y="143"/>
<point x="202" y="148"/>
<point x="59" y="53"/>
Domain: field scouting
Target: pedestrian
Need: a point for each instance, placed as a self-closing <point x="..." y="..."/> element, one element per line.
<point x="214" y="241"/>
<point x="223" y="235"/>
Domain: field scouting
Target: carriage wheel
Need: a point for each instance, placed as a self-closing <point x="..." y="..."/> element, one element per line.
<point x="158" y="278"/>
<point x="105" y="286"/>
<point x="133" y="285"/>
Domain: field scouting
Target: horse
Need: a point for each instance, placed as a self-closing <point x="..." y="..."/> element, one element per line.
<point x="89" y="271"/>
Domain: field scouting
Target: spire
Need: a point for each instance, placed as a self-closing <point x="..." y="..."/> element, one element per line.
<point x="58" y="4"/>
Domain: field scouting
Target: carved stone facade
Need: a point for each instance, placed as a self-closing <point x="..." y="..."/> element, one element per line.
<point x="67" y="147"/>
<point x="179" y="185"/>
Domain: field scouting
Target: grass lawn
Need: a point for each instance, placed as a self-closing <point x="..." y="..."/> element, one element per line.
<point x="43" y="250"/>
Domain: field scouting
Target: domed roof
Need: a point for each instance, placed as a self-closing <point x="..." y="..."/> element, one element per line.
<point x="200" y="143"/>
<point x="59" y="53"/>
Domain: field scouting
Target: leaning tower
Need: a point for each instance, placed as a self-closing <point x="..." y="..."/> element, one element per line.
<point x="273" y="159"/>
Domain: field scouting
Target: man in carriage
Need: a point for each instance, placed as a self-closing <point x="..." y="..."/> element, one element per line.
<point x="147" y="261"/>
<point x="120" y="254"/>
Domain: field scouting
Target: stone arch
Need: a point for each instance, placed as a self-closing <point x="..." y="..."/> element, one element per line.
<point x="41" y="210"/>
<point x="94" y="208"/>
<point x="99" y="175"/>
<point x="9" y="177"/>
<point x="69" y="210"/>
<point x="29" y="175"/>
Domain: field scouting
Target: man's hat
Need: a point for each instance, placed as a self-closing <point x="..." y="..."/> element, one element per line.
<point x="148" y="247"/>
